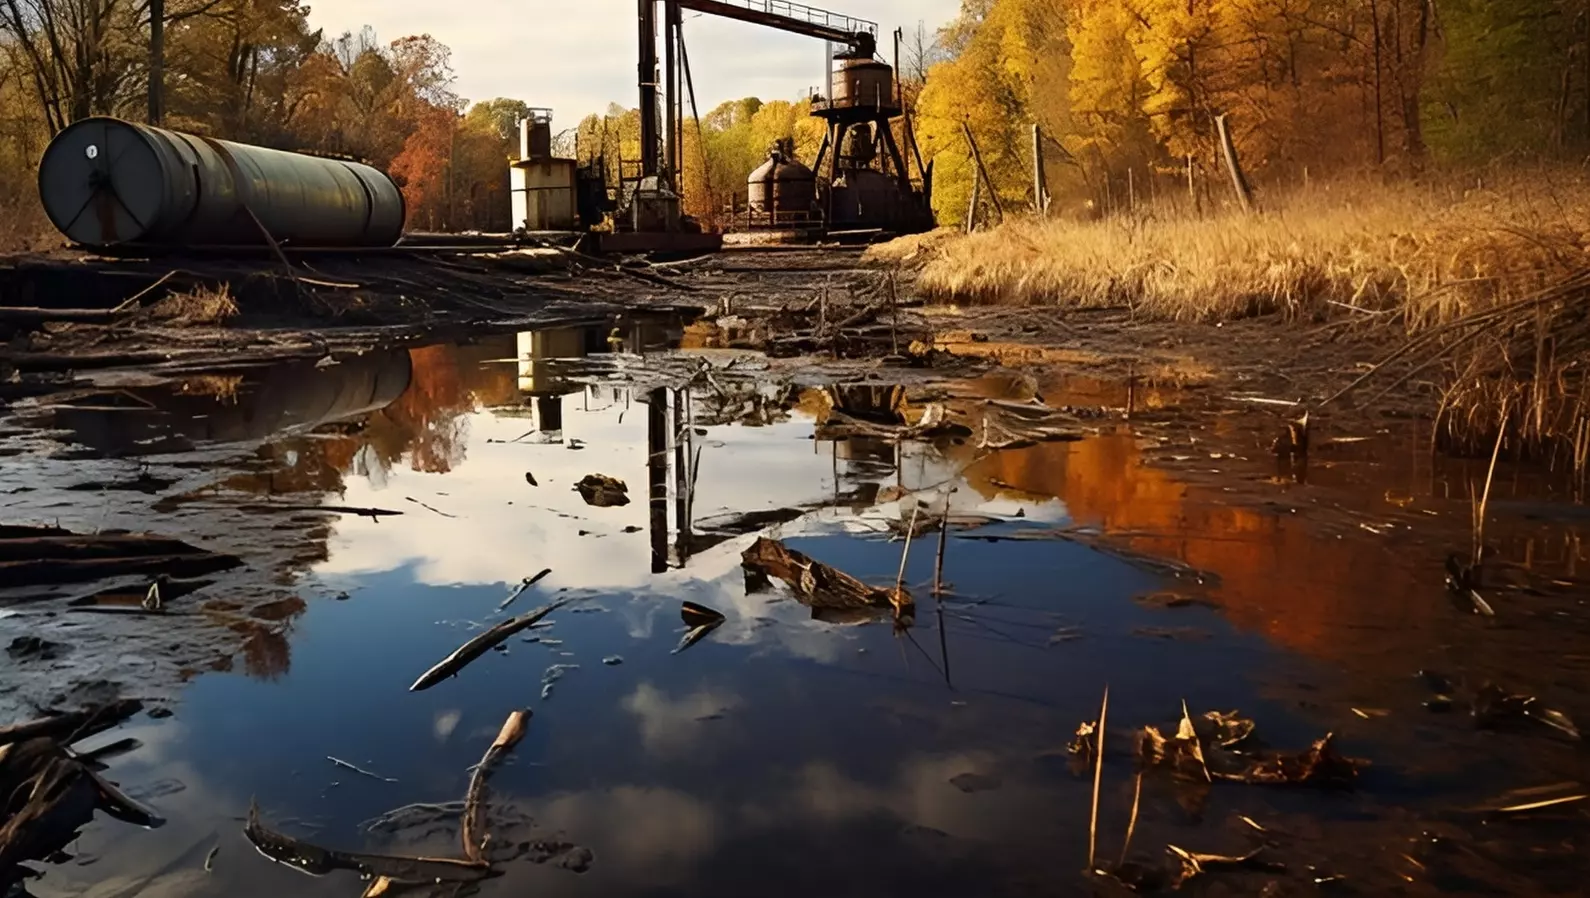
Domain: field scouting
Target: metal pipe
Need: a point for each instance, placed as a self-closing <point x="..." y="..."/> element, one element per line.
<point x="671" y="79"/>
<point x="647" y="14"/>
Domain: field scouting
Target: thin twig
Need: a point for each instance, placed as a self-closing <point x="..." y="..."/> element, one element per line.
<point x="1490" y="475"/>
<point x="1131" y="825"/>
<point x="1098" y="776"/>
<point x="899" y="581"/>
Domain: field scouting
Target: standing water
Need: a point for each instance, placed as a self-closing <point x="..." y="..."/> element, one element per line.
<point x="793" y="750"/>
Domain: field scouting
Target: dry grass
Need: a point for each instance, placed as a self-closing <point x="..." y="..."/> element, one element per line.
<point x="1431" y="252"/>
<point x="203" y="305"/>
<point x="1397" y="262"/>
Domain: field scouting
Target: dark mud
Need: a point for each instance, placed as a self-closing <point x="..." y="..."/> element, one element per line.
<point x="388" y="504"/>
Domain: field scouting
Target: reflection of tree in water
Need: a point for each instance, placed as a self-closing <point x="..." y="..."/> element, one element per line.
<point x="429" y="422"/>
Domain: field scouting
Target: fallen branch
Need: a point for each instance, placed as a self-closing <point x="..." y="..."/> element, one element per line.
<point x="317" y="861"/>
<point x="474" y="800"/>
<point x="73" y="726"/>
<point x="480" y="645"/>
<point x="523" y="585"/>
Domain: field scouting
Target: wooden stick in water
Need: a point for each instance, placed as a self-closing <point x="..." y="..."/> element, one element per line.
<point x="1098" y="776"/>
<point x="474" y="801"/>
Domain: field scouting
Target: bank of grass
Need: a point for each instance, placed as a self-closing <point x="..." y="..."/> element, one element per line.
<point x="1486" y="274"/>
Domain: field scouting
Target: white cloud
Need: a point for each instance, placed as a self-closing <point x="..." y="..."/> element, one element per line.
<point x="670" y="726"/>
<point x="578" y="57"/>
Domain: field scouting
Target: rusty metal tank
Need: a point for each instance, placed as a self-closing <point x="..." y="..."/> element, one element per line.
<point x="863" y="83"/>
<point x="782" y="187"/>
<point x="106" y="182"/>
<point x="864" y="198"/>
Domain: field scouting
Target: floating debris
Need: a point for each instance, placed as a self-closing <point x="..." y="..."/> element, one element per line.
<point x="512" y="731"/>
<point x="457" y="661"/>
<point x="524" y="584"/>
<point x="317" y="861"/>
<point x="1494" y="706"/>
<point x="359" y="770"/>
<point x="613" y="660"/>
<point x="1212" y="748"/>
<point x="530" y="479"/>
<point x="818" y="585"/>
<point x="602" y="491"/>
<point x="701" y="620"/>
<point x="1194" y="864"/>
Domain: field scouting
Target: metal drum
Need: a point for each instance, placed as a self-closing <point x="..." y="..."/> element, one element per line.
<point x="782" y="188"/>
<point x="105" y="182"/>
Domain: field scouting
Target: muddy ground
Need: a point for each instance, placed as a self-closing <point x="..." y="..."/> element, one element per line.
<point x="1170" y="447"/>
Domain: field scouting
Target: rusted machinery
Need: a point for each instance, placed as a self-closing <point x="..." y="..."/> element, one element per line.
<point x="105" y="182"/>
<point x="542" y="187"/>
<point x="867" y="184"/>
<point x="782" y="193"/>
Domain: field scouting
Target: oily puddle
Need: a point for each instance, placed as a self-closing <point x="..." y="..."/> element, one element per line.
<point x="780" y="751"/>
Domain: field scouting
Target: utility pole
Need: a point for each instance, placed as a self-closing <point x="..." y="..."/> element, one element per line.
<point x="157" y="60"/>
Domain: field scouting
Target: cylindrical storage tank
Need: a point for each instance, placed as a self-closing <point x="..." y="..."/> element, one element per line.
<point x="782" y="187"/>
<point x="863" y="82"/>
<point x="105" y="182"/>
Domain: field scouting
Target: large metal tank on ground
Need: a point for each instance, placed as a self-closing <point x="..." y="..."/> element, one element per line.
<point x="105" y="182"/>
<point x="782" y="189"/>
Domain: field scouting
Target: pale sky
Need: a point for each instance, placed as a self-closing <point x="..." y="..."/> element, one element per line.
<point x="576" y="57"/>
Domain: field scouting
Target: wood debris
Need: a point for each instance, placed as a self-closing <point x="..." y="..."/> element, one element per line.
<point x="480" y="645"/>
<point x="513" y="730"/>
<point x="817" y="585"/>
<point x="318" y="861"/>
<point x="602" y="491"/>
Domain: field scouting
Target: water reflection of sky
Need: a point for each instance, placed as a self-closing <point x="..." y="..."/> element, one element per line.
<point x="778" y="756"/>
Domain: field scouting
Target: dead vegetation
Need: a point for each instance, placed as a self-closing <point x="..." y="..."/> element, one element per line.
<point x="201" y="305"/>
<point x="1482" y="284"/>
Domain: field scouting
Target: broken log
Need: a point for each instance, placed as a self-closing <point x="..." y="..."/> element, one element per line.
<point x="815" y="584"/>
<point x="75" y="547"/>
<point x="480" y="645"/>
<point x="317" y="861"/>
<point x="41" y="572"/>
<point x="72" y="726"/>
<point x="475" y="799"/>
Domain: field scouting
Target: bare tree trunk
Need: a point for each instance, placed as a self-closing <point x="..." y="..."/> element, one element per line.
<point x="157" y="60"/>
<point x="982" y="170"/>
<point x="1040" y="186"/>
<point x="1233" y="165"/>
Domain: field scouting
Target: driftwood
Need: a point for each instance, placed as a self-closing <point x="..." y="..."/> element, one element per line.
<point x="319" y="861"/>
<point x="45" y="571"/>
<point x="475" y="799"/>
<point x="58" y="795"/>
<point x="72" y="547"/>
<point x="70" y="727"/>
<point x="32" y="315"/>
<point x="818" y="585"/>
<point x="480" y="645"/>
